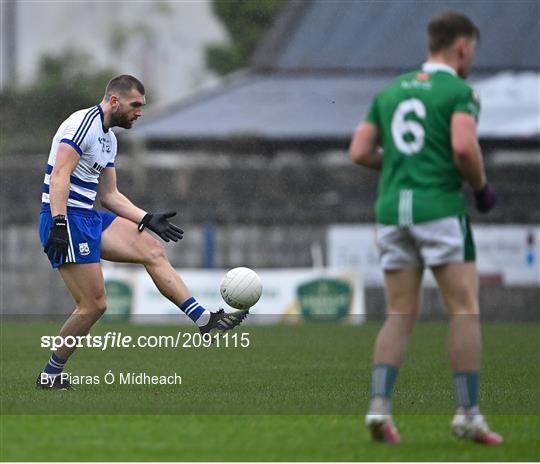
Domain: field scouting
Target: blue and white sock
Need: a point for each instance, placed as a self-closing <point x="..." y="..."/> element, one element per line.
<point x="195" y="311"/>
<point x="55" y="366"/>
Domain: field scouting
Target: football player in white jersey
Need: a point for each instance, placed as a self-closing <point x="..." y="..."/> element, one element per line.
<point x="76" y="237"/>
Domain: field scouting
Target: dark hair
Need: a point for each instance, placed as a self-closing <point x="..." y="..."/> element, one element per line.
<point x="445" y="28"/>
<point x="123" y="84"/>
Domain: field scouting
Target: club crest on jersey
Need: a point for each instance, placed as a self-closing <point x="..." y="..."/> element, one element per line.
<point x="98" y="167"/>
<point x="105" y="146"/>
<point x="84" y="249"/>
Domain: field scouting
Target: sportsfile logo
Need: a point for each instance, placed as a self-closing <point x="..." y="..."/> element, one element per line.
<point x="119" y="340"/>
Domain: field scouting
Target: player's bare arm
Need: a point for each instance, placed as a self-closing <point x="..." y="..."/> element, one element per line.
<point x="57" y="243"/>
<point x="469" y="161"/>
<point x="111" y="198"/>
<point x="365" y="147"/>
<point x="467" y="152"/>
<point x="66" y="162"/>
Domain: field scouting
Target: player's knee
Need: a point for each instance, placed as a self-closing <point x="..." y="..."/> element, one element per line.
<point x="464" y="310"/>
<point x="100" y="305"/>
<point x="409" y="313"/>
<point x="154" y="253"/>
<point x="465" y="304"/>
<point x="93" y="307"/>
<point x="406" y="319"/>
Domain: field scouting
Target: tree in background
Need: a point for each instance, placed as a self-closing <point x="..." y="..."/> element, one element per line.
<point x="29" y="117"/>
<point x="246" y="22"/>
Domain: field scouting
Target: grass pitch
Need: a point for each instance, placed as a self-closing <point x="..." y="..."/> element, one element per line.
<point x="296" y="393"/>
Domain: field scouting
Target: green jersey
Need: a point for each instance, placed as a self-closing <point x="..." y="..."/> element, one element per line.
<point x="419" y="181"/>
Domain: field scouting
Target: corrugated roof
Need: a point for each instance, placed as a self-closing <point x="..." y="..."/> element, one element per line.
<point x="314" y="108"/>
<point x="315" y="92"/>
<point x="272" y="107"/>
<point x="367" y="35"/>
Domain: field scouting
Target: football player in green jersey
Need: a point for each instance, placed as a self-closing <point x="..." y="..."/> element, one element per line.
<point x="420" y="133"/>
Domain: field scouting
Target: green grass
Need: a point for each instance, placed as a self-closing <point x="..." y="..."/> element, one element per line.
<point x="297" y="393"/>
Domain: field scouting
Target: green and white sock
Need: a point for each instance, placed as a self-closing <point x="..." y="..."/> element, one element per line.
<point x="467" y="385"/>
<point x="383" y="378"/>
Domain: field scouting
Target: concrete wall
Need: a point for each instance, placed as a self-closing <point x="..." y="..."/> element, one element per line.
<point x="284" y="189"/>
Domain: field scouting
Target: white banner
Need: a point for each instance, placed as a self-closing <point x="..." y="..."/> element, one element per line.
<point x="279" y="302"/>
<point x="506" y="254"/>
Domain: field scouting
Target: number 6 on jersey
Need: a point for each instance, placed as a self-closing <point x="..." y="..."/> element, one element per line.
<point x="401" y="126"/>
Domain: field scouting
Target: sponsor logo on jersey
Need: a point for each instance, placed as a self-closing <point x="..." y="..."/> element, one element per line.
<point x="423" y="76"/>
<point x="416" y="84"/>
<point x="98" y="167"/>
<point x="84" y="249"/>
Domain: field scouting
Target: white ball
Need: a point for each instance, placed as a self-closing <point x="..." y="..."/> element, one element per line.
<point x="241" y="288"/>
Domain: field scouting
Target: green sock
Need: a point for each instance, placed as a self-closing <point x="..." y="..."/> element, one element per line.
<point x="383" y="378"/>
<point x="467" y="385"/>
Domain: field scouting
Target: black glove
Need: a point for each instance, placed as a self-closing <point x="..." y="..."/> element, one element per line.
<point x="486" y="198"/>
<point x="159" y="224"/>
<point x="58" y="242"/>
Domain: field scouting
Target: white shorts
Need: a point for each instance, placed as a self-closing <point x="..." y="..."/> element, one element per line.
<point x="428" y="244"/>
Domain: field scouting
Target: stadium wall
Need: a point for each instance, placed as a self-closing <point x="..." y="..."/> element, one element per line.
<point x="30" y="287"/>
<point x="282" y="189"/>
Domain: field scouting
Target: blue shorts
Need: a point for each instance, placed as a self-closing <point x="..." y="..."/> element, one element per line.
<point x="85" y="227"/>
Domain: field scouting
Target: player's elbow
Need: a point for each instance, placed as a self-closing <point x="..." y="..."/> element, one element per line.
<point x="358" y="151"/>
<point x="464" y="145"/>
<point x="103" y="201"/>
<point x="463" y="150"/>
<point x="107" y="199"/>
<point x="460" y="153"/>
<point x="363" y="143"/>
<point x="357" y="156"/>
<point x="463" y="136"/>
<point x="59" y="176"/>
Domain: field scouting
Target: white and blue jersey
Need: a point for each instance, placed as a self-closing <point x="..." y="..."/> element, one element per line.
<point x="84" y="131"/>
<point x="96" y="145"/>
